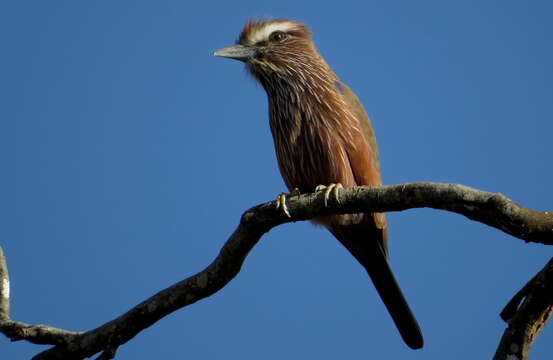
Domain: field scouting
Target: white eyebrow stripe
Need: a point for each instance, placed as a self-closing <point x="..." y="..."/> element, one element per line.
<point x="263" y="33"/>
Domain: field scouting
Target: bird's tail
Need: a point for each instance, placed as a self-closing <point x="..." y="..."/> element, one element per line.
<point x="369" y="250"/>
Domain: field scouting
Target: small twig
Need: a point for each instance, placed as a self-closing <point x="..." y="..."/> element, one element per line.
<point x="108" y="354"/>
<point x="512" y="306"/>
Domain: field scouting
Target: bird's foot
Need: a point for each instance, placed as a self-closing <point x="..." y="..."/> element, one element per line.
<point x="333" y="189"/>
<point x="281" y="201"/>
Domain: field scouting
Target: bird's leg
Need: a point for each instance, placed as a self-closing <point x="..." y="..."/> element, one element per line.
<point x="333" y="189"/>
<point x="281" y="201"/>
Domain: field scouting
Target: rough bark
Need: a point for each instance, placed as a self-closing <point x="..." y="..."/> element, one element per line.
<point x="526" y="315"/>
<point x="492" y="209"/>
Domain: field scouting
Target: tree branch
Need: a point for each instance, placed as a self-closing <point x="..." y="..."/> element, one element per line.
<point x="489" y="208"/>
<point x="4" y="288"/>
<point x="527" y="320"/>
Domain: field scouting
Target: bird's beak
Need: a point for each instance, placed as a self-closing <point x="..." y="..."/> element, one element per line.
<point x="237" y="52"/>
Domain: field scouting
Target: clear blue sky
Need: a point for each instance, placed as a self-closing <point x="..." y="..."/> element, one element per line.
<point x="129" y="153"/>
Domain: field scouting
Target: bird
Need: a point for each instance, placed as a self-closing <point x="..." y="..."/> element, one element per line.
<point x="324" y="140"/>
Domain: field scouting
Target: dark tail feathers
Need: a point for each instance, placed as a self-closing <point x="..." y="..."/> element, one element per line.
<point x="366" y="244"/>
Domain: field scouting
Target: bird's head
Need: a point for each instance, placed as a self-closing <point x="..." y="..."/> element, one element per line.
<point x="281" y="48"/>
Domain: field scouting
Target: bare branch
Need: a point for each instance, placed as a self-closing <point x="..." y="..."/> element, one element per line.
<point x="489" y="208"/>
<point x="4" y="288"/>
<point x="526" y="322"/>
<point x="37" y="334"/>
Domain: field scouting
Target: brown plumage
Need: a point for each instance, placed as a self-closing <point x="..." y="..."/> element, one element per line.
<point x="323" y="136"/>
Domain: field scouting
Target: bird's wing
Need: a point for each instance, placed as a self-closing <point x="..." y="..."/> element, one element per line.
<point x="365" y="125"/>
<point x="363" y="151"/>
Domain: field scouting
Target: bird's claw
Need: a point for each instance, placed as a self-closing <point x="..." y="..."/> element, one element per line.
<point x="281" y="204"/>
<point x="333" y="189"/>
<point x="281" y="201"/>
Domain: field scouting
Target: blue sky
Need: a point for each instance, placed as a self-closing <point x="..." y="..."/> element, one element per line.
<point x="130" y="152"/>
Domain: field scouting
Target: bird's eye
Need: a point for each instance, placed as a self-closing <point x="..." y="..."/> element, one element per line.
<point x="278" y="36"/>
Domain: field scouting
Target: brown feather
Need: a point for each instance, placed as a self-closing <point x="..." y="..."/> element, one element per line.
<point x="322" y="135"/>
